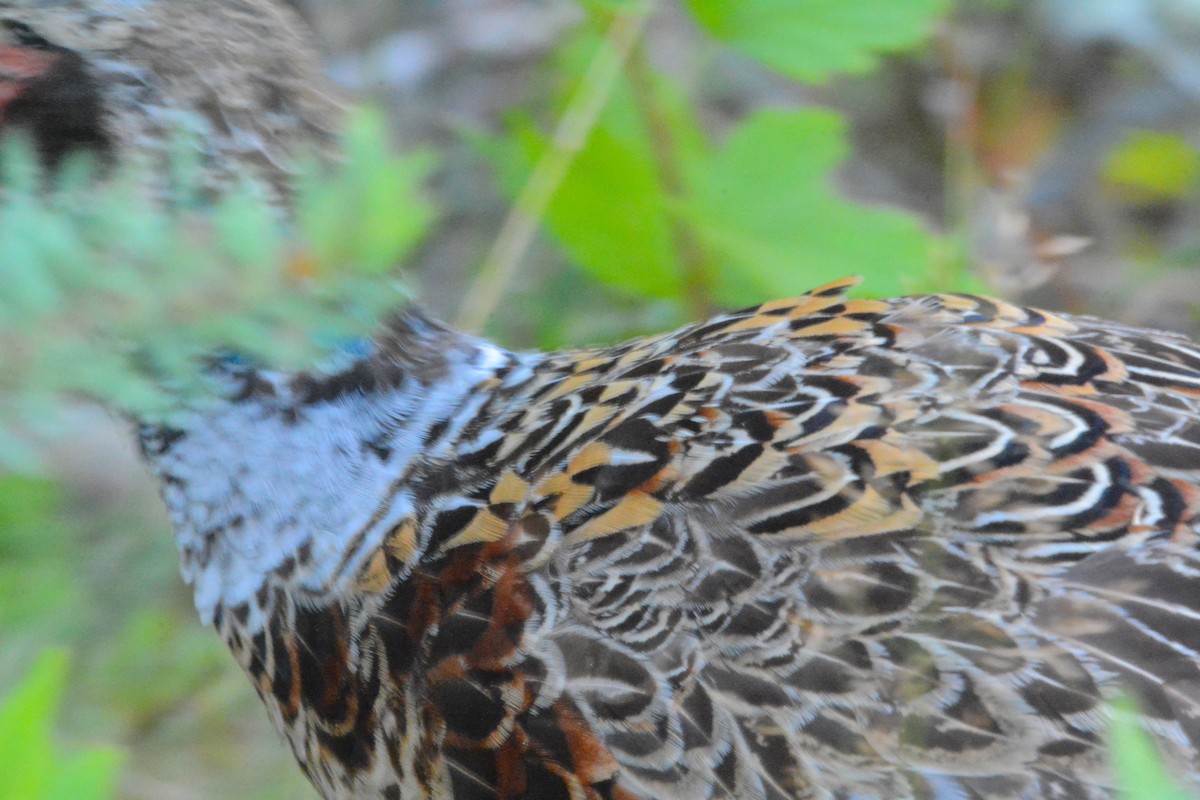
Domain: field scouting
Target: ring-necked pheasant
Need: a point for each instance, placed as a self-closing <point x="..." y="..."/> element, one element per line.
<point x="819" y="548"/>
<point x="126" y="77"/>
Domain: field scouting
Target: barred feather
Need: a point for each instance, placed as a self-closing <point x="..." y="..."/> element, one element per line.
<point x="819" y="548"/>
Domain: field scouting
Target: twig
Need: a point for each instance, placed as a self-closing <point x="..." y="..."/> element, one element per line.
<point x="504" y="259"/>
<point x="694" y="260"/>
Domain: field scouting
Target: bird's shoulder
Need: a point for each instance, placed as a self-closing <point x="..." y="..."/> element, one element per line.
<point x="822" y="417"/>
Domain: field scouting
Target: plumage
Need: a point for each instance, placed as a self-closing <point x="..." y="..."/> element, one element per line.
<point x="825" y="547"/>
<point x="822" y="548"/>
<point x="124" y="77"/>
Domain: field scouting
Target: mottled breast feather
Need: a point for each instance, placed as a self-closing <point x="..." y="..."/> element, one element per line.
<point x="819" y="548"/>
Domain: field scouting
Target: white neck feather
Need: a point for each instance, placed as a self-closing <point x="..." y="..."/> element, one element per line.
<point x="259" y="481"/>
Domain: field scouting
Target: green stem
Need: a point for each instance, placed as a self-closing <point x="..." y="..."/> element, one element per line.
<point x="693" y="256"/>
<point x="502" y="263"/>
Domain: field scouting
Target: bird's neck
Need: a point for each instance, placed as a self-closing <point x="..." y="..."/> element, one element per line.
<point x="297" y="481"/>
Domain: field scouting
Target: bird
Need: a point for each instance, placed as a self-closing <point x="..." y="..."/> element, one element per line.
<point x="117" y="79"/>
<point x="820" y="548"/>
<point x="824" y="547"/>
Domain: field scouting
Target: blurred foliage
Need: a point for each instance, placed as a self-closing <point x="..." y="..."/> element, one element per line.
<point x="34" y="767"/>
<point x="367" y="215"/>
<point x="1141" y="774"/>
<point x="810" y="40"/>
<point x="36" y="579"/>
<point x="764" y="205"/>
<point x="113" y="294"/>
<point x="1149" y="166"/>
<point x="101" y="578"/>
<point x="662" y="216"/>
<point x="653" y="206"/>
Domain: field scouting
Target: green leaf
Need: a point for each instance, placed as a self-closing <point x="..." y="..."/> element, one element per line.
<point x="30" y="291"/>
<point x="813" y="39"/>
<point x="21" y="169"/>
<point x="1150" y="166"/>
<point x="1140" y="772"/>
<point x="764" y="205"/>
<point x="91" y="775"/>
<point x="110" y="291"/>
<point x="25" y="718"/>
<point x="154" y="663"/>
<point x="612" y="213"/>
<point x="16" y="453"/>
<point x="369" y="214"/>
<point x="246" y="228"/>
<point x="25" y="504"/>
<point x="37" y="583"/>
<point x="32" y="770"/>
<point x="609" y="213"/>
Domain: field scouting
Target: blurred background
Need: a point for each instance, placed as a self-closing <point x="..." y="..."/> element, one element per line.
<point x="1051" y="146"/>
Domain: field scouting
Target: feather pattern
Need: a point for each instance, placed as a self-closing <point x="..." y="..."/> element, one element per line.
<point x="126" y="77"/>
<point x="821" y="548"/>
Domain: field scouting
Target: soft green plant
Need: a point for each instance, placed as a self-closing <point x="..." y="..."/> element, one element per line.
<point x="113" y="294"/>
<point x="37" y="583"/>
<point x="652" y="204"/>
<point x="1140" y="772"/>
<point x="1149" y="167"/>
<point x="811" y="40"/>
<point x="35" y="768"/>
